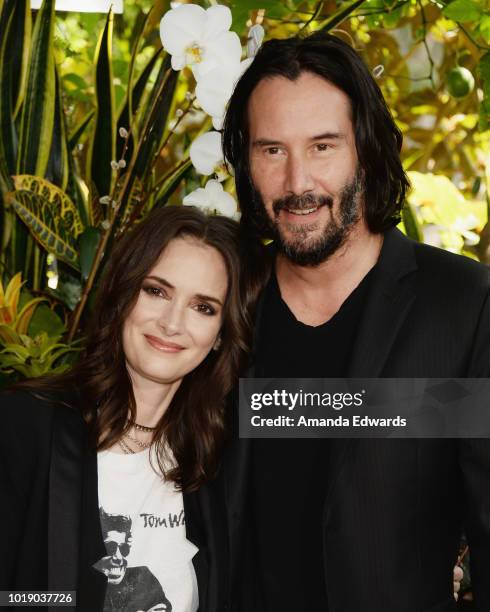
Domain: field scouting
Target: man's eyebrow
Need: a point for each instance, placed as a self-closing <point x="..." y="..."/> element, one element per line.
<point x="199" y="296"/>
<point x="328" y="136"/>
<point x="265" y="142"/>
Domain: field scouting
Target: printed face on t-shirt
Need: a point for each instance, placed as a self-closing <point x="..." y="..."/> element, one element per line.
<point x="114" y="565"/>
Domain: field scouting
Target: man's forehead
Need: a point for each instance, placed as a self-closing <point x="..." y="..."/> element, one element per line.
<point x="309" y="105"/>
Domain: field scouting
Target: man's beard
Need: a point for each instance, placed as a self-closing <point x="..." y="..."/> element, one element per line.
<point x="301" y="250"/>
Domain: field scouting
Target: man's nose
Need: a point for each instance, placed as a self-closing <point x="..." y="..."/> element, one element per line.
<point x="298" y="178"/>
<point x="171" y="318"/>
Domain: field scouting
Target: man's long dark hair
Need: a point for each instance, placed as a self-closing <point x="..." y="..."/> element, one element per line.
<point x="193" y="426"/>
<point x="378" y="139"/>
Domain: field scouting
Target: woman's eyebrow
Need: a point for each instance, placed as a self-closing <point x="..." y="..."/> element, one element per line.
<point x="199" y="296"/>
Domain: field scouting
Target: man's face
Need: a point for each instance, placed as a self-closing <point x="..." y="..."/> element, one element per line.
<point x="304" y="165"/>
<point x="114" y="564"/>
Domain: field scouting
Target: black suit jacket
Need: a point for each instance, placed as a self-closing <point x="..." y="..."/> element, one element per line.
<point x="395" y="509"/>
<point x="49" y="511"/>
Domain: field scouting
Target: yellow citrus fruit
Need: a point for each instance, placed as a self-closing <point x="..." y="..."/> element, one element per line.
<point x="459" y="82"/>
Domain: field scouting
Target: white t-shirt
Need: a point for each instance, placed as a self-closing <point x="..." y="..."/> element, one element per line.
<point x="149" y="559"/>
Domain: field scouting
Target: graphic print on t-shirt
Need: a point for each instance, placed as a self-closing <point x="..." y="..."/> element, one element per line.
<point x="129" y="589"/>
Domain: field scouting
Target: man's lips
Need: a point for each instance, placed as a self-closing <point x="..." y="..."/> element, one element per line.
<point x="163" y="345"/>
<point x="301" y="214"/>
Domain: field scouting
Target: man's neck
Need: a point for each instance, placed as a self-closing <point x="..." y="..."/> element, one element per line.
<point x="315" y="294"/>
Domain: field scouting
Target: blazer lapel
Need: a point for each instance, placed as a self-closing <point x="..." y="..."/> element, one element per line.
<point x="390" y="297"/>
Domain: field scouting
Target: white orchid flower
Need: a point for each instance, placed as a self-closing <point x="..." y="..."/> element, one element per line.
<point x="207" y="155"/>
<point x="214" y="92"/>
<point x="200" y="38"/>
<point x="254" y="39"/>
<point x="212" y="199"/>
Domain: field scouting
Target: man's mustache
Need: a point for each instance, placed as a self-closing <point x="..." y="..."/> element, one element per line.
<point x="301" y="202"/>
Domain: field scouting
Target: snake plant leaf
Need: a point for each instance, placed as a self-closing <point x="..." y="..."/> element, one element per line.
<point x="171" y="182"/>
<point x="50" y="215"/>
<point x="155" y="116"/>
<point x="152" y="121"/>
<point x="103" y="144"/>
<point x="132" y="103"/>
<point x="88" y="243"/>
<point x="36" y="130"/>
<point x="80" y="129"/>
<point x="58" y="166"/>
<point x="7" y="127"/>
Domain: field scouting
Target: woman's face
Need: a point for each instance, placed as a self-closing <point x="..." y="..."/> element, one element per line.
<point x="177" y="317"/>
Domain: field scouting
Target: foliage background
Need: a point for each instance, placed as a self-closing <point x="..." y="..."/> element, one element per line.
<point x="65" y="84"/>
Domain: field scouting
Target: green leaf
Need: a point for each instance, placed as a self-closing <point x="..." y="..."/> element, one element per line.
<point x="39" y="106"/>
<point x="89" y="241"/>
<point x="463" y="10"/>
<point x="19" y="45"/>
<point x="7" y="127"/>
<point x="412" y="227"/>
<point x="338" y="16"/>
<point x="58" y="166"/>
<point x="102" y="149"/>
<point x="46" y="320"/>
<point x="171" y="182"/>
<point x="50" y="215"/>
<point x="80" y="129"/>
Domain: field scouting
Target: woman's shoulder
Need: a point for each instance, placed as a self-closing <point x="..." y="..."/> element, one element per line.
<point x="35" y="409"/>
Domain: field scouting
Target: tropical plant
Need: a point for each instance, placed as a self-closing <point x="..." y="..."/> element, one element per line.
<point x="99" y="125"/>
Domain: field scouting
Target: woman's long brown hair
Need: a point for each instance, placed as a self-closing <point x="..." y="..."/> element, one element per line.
<point x="193" y="426"/>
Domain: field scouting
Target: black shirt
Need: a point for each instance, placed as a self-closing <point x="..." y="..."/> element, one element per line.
<point x="289" y="476"/>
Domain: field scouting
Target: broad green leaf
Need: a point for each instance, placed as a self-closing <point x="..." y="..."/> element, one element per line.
<point x="102" y="149"/>
<point x="50" y="215"/>
<point x="46" y="320"/>
<point x="412" y="227"/>
<point x="135" y="203"/>
<point x="37" y="120"/>
<point x="463" y="10"/>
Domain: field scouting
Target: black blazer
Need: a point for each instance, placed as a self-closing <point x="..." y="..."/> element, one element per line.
<point x="395" y="509"/>
<point x="49" y="511"/>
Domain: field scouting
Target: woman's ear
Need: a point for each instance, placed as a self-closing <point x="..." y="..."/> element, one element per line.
<point x="217" y="343"/>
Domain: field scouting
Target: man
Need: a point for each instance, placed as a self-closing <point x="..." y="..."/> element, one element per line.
<point x="348" y="525"/>
<point x="128" y="588"/>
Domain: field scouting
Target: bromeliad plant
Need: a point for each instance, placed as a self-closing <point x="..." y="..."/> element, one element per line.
<point x="21" y="353"/>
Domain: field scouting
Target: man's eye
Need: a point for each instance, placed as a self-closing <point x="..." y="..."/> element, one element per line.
<point x="205" y="309"/>
<point x="322" y="146"/>
<point x="272" y="150"/>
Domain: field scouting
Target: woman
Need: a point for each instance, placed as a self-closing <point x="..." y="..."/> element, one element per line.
<point x="100" y="468"/>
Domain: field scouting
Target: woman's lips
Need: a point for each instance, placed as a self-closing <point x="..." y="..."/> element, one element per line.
<point x="162" y="345"/>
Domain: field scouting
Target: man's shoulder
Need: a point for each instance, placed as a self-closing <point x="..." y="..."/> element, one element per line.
<point x="442" y="267"/>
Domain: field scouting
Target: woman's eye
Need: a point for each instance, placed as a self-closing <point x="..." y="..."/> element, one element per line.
<point x="205" y="309"/>
<point x="272" y="150"/>
<point x="154" y="291"/>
